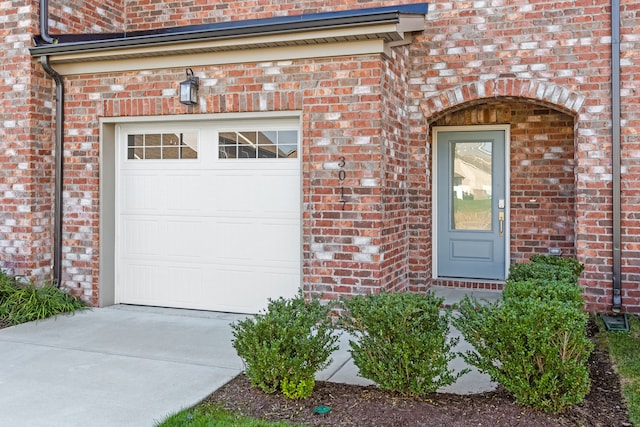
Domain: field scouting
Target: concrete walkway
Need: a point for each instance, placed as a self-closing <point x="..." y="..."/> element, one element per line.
<point x="132" y="366"/>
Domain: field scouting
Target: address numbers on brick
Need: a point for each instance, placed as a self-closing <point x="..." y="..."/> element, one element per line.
<point x="342" y="175"/>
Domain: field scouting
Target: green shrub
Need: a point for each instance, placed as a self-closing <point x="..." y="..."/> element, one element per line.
<point x="24" y="303"/>
<point x="400" y="341"/>
<point x="546" y="267"/>
<point x="536" y="348"/>
<point x="284" y="347"/>
<point x="571" y="264"/>
<point x="297" y="388"/>
<point x="523" y="271"/>
<point x="539" y="290"/>
<point x="8" y="285"/>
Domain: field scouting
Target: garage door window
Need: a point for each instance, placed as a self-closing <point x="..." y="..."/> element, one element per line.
<point x="162" y="146"/>
<point x="276" y="144"/>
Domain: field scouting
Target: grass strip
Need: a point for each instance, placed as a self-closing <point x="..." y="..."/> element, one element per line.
<point x="624" y="348"/>
<point x="207" y="415"/>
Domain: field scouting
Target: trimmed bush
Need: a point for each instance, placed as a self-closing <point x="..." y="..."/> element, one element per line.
<point x="401" y="341"/>
<point x="284" y="347"/>
<point x="536" y="348"/>
<point x="523" y="271"/>
<point x="545" y="290"/>
<point x="546" y="267"/>
<point x="534" y="341"/>
<point x="570" y="264"/>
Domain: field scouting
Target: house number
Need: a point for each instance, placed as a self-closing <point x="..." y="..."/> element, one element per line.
<point x="341" y="177"/>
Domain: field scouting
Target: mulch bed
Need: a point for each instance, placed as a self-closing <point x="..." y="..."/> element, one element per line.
<point x="369" y="406"/>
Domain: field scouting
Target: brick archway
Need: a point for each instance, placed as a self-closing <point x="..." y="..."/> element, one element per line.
<point x="542" y="190"/>
<point x="557" y="96"/>
<point x="448" y="107"/>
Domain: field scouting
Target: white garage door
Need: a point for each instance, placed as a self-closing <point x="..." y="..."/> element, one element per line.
<point x="208" y="215"/>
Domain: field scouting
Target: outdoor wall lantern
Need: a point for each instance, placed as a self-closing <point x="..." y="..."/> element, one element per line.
<point x="189" y="89"/>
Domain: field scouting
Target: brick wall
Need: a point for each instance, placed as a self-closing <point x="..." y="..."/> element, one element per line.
<point x="394" y="165"/>
<point x="27" y="131"/>
<point x="630" y="112"/>
<point x="25" y="149"/>
<point x="341" y="104"/>
<point x="86" y="16"/>
<point x="342" y="120"/>
<point x="151" y="14"/>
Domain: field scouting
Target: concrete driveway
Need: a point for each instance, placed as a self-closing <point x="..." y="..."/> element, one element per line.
<point x="115" y="366"/>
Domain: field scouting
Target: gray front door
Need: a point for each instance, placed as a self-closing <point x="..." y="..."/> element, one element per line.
<point x="471" y="204"/>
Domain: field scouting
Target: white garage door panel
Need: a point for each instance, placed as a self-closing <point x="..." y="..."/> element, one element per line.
<point x="235" y="240"/>
<point x="257" y="193"/>
<point x="143" y="276"/>
<point x="159" y="194"/>
<point x="183" y="238"/>
<point x="272" y="193"/>
<point x="208" y="233"/>
<point x="144" y="285"/>
<point x="191" y="287"/>
<point x="277" y="239"/>
<point x="181" y="193"/>
<point x="139" y="194"/>
<point x="256" y="293"/>
<point x="231" y="193"/>
<point x="141" y="237"/>
<point x="188" y="284"/>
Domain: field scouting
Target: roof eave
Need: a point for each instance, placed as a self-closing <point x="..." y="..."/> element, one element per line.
<point x="405" y="22"/>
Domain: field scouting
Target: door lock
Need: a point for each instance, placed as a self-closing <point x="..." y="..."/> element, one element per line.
<point x="501" y="223"/>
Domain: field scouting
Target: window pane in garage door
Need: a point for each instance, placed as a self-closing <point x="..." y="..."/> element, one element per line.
<point x="165" y="146"/>
<point x="259" y="144"/>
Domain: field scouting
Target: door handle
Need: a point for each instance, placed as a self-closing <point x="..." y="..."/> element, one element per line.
<point x="501" y="223"/>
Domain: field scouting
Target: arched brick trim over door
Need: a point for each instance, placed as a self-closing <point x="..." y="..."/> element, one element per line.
<point x="554" y="95"/>
<point x="542" y="179"/>
<point x="592" y="156"/>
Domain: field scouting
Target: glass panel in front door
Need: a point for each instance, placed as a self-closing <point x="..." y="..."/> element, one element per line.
<point x="471" y="186"/>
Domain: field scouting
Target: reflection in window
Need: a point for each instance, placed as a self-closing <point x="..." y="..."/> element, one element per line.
<point x="276" y="144"/>
<point x="162" y="146"/>
<point x="471" y="183"/>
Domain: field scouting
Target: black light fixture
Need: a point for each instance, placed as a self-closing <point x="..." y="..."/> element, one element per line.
<point x="189" y="89"/>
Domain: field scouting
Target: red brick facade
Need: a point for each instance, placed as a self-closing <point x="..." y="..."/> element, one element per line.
<point x="87" y="16"/>
<point x="25" y="149"/>
<point x="153" y="14"/>
<point x="542" y="67"/>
